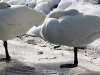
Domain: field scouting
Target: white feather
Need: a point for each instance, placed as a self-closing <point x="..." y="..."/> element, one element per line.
<point x="73" y="30"/>
<point x="17" y="20"/>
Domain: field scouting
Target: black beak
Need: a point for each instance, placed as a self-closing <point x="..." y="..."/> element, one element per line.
<point x="9" y="6"/>
<point x="26" y="4"/>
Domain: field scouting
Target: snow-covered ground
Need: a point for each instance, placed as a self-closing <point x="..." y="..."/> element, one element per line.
<point x="34" y="56"/>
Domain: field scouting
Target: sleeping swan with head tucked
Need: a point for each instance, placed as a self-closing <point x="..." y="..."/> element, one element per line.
<point x="16" y="20"/>
<point x="71" y="30"/>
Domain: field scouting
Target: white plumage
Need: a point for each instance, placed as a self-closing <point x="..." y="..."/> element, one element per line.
<point x="17" y="20"/>
<point x="59" y="13"/>
<point x="72" y="30"/>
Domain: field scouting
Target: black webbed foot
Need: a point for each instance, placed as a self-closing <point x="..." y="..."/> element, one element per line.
<point x="75" y="61"/>
<point x="5" y="59"/>
<point x="68" y="65"/>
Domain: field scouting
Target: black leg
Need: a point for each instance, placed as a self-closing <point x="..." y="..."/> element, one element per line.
<point x="75" y="56"/>
<point x="75" y="61"/>
<point x="6" y="51"/>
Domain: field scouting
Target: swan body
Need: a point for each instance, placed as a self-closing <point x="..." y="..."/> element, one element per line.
<point x="17" y="20"/>
<point x="72" y="30"/>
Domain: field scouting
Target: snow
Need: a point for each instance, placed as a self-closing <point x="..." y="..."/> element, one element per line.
<point x="35" y="31"/>
<point x="25" y="57"/>
<point x="43" y="7"/>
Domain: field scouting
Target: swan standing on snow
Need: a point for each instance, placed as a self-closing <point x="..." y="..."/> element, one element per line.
<point x="71" y="30"/>
<point x="15" y="21"/>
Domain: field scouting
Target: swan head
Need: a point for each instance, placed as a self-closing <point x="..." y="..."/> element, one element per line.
<point x="71" y="12"/>
<point x="4" y="5"/>
<point x="59" y="13"/>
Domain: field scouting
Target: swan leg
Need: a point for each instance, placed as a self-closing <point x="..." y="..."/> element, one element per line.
<point x="8" y="58"/>
<point x="75" y="61"/>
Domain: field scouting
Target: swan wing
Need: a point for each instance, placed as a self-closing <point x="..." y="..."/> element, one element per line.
<point x="18" y="14"/>
<point x="17" y="20"/>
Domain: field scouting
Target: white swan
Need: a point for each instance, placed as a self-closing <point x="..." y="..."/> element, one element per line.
<point x="72" y="30"/>
<point x="17" y="20"/>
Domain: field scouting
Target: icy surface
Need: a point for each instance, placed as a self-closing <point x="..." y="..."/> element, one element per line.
<point x="26" y="60"/>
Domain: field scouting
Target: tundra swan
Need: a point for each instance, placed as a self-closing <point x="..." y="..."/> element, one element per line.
<point x="15" y="21"/>
<point x="71" y="30"/>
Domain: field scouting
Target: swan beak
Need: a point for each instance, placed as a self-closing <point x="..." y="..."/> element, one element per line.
<point x="9" y="6"/>
<point x="26" y="4"/>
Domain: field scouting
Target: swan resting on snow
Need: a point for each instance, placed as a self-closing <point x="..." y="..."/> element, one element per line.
<point x="15" y="21"/>
<point x="71" y="30"/>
